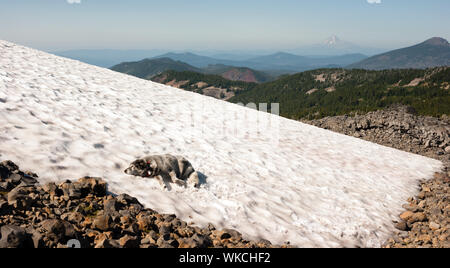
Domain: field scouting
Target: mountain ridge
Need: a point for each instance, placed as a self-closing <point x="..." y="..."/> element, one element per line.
<point x="433" y="52"/>
<point x="148" y="68"/>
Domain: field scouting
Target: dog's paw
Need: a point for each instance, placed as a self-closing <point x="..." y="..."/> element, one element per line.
<point x="181" y="183"/>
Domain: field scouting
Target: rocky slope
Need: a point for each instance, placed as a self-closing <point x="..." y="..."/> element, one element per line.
<point x="426" y="220"/>
<point x="84" y="213"/>
<point x="398" y="127"/>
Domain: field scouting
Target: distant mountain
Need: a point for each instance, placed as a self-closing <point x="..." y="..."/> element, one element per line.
<point x="431" y="53"/>
<point x="289" y="61"/>
<point x="107" y="57"/>
<point x="196" y="60"/>
<point x="334" y="46"/>
<point x="280" y="62"/>
<point x="148" y="68"/>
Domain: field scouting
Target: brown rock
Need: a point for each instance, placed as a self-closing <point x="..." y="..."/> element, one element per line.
<point x="129" y="242"/>
<point x="107" y="243"/>
<point x="434" y="226"/>
<point x="402" y="226"/>
<point x="13" y="237"/>
<point x="406" y="215"/>
<point x="417" y="217"/>
<point x="102" y="223"/>
<point x="95" y="186"/>
<point x="58" y="229"/>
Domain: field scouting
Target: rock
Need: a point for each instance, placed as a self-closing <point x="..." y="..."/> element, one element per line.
<point x="95" y="186"/>
<point x="196" y="241"/>
<point x="227" y="234"/>
<point x="406" y="215"/>
<point x="165" y="229"/>
<point x="37" y="238"/>
<point x="28" y="180"/>
<point x="417" y="217"/>
<point x="3" y="207"/>
<point x="71" y="191"/>
<point x="447" y="149"/>
<point x="146" y="223"/>
<point x="129" y="242"/>
<point x="19" y="198"/>
<point x="127" y="200"/>
<point x="107" y="243"/>
<point x="167" y="242"/>
<point x="6" y="186"/>
<point x="411" y="207"/>
<point x="9" y="165"/>
<point x="110" y="206"/>
<point x="4" y="172"/>
<point x="15" y="178"/>
<point x="75" y="217"/>
<point x="13" y="237"/>
<point x="58" y="230"/>
<point x="402" y="226"/>
<point x="52" y="189"/>
<point x="151" y="238"/>
<point x="103" y="223"/>
<point x="434" y="226"/>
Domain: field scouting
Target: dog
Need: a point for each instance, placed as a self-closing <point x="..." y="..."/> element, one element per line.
<point x="165" y="168"/>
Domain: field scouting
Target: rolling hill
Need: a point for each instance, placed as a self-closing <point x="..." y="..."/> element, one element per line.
<point x="432" y="53"/>
<point x="148" y="68"/>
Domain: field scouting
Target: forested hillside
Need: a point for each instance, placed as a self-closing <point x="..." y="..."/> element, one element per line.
<point x="329" y="92"/>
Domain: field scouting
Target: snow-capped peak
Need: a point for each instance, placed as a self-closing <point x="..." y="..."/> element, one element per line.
<point x="331" y="41"/>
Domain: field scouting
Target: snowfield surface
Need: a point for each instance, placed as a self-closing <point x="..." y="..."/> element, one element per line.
<point x="283" y="181"/>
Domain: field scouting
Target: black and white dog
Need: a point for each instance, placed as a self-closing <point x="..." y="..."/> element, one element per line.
<point x="165" y="168"/>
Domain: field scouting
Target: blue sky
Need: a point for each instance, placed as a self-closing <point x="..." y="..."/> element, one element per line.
<point x="214" y="24"/>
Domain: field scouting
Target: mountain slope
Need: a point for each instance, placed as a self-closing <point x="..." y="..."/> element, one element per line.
<point x="210" y="85"/>
<point x="329" y="92"/>
<point x="267" y="176"/>
<point x="238" y="73"/>
<point x="150" y="67"/>
<point x="431" y="53"/>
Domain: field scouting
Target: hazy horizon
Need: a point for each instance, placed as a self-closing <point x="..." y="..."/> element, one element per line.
<point x="198" y="25"/>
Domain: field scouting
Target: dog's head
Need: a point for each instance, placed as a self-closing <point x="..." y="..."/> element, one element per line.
<point x="142" y="168"/>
